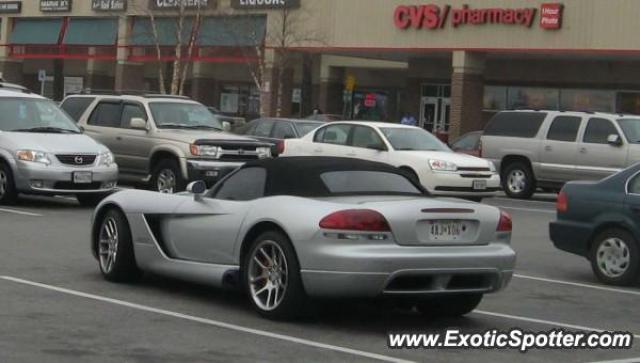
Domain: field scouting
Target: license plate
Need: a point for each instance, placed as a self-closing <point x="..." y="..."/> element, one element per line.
<point x="82" y="177"/>
<point x="479" y="185"/>
<point x="445" y="230"/>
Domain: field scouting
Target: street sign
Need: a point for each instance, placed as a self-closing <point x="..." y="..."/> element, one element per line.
<point x="42" y="75"/>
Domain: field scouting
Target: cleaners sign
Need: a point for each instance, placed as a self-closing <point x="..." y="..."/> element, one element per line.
<point x="438" y="17"/>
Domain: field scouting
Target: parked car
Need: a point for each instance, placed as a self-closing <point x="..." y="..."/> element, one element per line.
<point x="229" y="123"/>
<point x="468" y="143"/>
<point x="545" y="149"/>
<point x="599" y="220"/>
<point x="427" y="159"/>
<point x="165" y="141"/>
<point x="322" y="117"/>
<point x="275" y="130"/>
<point x="42" y="151"/>
<point x="288" y="229"/>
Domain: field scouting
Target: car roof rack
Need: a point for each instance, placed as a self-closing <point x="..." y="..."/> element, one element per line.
<point x="13" y="87"/>
<point x="139" y="93"/>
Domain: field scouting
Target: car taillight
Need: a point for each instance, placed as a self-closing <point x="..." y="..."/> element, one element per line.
<point x="280" y="147"/>
<point x="506" y="223"/>
<point x="356" y="220"/>
<point x="562" y="205"/>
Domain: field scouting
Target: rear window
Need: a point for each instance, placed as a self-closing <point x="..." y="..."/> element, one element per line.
<point x="515" y="124"/>
<point x="368" y="182"/>
<point x="75" y="106"/>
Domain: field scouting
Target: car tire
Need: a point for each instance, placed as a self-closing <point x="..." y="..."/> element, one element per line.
<point x="116" y="257"/>
<point x="167" y="177"/>
<point x="518" y="181"/>
<point x="449" y="306"/>
<point x="615" y="257"/>
<point x="8" y="192"/>
<point x="273" y="287"/>
<point x="90" y="200"/>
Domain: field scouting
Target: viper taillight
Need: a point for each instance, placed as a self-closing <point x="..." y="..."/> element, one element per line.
<point x="506" y="223"/>
<point x="356" y="220"/>
<point x="562" y="205"/>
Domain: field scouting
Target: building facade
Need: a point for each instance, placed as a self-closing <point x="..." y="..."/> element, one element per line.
<point x="450" y="63"/>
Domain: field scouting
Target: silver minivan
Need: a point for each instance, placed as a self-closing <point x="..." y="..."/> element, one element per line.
<point x="545" y="149"/>
<point x="42" y="151"/>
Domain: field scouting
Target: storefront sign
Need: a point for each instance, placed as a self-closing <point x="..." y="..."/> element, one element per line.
<point x="265" y="4"/>
<point x="10" y="7"/>
<point x="175" y="4"/>
<point x="55" y="5"/>
<point x="109" y="5"/>
<point x="551" y="16"/>
<point x="438" y="17"/>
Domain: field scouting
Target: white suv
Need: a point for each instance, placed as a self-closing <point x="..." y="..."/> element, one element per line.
<point x="439" y="170"/>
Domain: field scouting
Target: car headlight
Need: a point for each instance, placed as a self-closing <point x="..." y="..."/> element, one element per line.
<point x="105" y="159"/>
<point x="264" y="152"/>
<point x="206" y="151"/>
<point x="441" y="165"/>
<point x="33" y="156"/>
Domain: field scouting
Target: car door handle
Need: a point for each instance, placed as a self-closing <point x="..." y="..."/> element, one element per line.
<point x="119" y="138"/>
<point x="317" y="150"/>
<point x="548" y="148"/>
<point x="583" y="150"/>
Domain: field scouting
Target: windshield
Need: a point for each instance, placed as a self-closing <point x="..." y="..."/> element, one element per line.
<point x="305" y="128"/>
<point x="34" y="115"/>
<point x="183" y="115"/>
<point x="368" y="182"/>
<point x="410" y="139"/>
<point x="631" y="129"/>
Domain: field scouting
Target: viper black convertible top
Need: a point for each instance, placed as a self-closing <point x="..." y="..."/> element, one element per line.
<point x="303" y="176"/>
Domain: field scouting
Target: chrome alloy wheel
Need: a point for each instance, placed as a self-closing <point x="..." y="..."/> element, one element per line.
<point x="166" y="181"/>
<point x="516" y="181"/>
<point x="4" y="180"/>
<point x="613" y="257"/>
<point x="268" y="275"/>
<point x="108" y="245"/>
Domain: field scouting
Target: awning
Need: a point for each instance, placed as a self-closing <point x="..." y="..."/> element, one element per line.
<point x="36" y="31"/>
<point x="91" y="31"/>
<point x="167" y="29"/>
<point x="233" y="31"/>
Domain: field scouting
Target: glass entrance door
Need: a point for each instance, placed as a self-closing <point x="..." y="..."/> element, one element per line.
<point x="435" y="107"/>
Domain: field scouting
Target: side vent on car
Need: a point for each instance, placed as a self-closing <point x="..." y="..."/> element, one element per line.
<point x="154" y="221"/>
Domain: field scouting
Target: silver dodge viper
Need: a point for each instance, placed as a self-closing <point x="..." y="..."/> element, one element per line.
<point x="289" y="229"/>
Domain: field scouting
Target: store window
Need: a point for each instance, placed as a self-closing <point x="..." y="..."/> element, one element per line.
<point x="495" y="98"/>
<point x="533" y="98"/>
<point x="629" y="102"/>
<point x="587" y="100"/>
<point x="240" y="100"/>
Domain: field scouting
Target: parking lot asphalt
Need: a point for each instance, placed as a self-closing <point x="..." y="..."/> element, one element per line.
<point x="55" y="306"/>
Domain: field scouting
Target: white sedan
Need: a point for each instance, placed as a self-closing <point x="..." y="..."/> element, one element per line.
<point x="440" y="170"/>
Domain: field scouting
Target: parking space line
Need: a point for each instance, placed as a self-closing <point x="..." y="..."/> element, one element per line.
<point x="537" y="210"/>
<point x="19" y="212"/>
<point x="628" y="360"/>
<point x="577" y="284"/>
<point x="210" y="322"/>
<point x="542" y="321"/>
